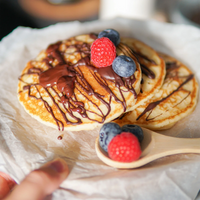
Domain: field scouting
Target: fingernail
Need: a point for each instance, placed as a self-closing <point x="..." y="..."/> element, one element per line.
<point x="58" y="165"/>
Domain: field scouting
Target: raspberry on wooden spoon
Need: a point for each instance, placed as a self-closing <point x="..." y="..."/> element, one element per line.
<point x="124" y="147"/>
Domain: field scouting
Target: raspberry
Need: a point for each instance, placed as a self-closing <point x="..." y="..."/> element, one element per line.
<point x="124" y="147"/>
<point x="103" y="52"/>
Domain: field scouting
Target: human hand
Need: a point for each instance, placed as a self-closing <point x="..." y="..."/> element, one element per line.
<point x="41" y="182"/>
<point x="6" y="184"/>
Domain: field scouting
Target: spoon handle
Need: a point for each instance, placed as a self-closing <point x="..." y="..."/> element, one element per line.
<point x="165" y="145"/>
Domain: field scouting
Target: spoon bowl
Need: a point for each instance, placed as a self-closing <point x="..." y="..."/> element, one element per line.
<point x="153" y="146"/>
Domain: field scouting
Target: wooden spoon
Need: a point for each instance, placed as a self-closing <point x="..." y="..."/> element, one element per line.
<point x="154" y="146"/>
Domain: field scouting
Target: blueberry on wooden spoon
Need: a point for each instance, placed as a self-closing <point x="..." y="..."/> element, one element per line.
<point x="107" y="132"/>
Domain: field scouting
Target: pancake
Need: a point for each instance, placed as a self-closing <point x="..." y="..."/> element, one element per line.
<point x="152" y="65"/>
<point x="176" y="99"/>
<point x="62" y="89"/>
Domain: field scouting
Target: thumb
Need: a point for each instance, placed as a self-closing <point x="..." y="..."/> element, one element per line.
<point x="41" y="182"/>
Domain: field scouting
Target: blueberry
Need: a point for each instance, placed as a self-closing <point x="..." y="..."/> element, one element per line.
<point x="124" y="66"/>
<point x="112" y="34"/>
<point x="136" y="130"/>
<point x="106" y="134"/>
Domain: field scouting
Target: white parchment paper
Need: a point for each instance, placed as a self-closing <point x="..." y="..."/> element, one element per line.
<point x="26" y="144"/>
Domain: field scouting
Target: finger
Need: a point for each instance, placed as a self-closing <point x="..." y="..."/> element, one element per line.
<point x="41" y="182"/>
<point x="6" y="184"/>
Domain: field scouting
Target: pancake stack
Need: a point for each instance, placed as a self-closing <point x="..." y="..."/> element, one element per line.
<point x="61" y="88"/>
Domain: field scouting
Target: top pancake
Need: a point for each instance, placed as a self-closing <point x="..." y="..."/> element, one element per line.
<point x="175" y="100"/>
<point x="61" y="88"/>
<point x="152" y="66"/>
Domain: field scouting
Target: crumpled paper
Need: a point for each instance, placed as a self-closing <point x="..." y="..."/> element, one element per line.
<point x="26" y="144"/>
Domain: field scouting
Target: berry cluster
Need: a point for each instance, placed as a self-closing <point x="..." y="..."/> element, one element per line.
<point x="121" y="143"/>
<point x="103" y="54"/>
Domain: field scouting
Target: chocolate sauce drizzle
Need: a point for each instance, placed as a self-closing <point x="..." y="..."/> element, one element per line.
<point x="147" y="71"/>
<point x="67" y="77"/>
<point x="140" y="57"/>
<point x="169" y="67"/>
